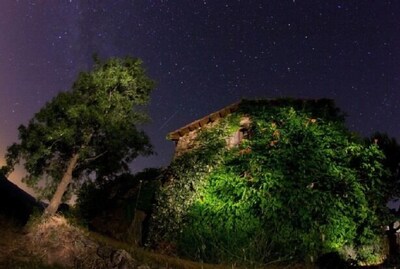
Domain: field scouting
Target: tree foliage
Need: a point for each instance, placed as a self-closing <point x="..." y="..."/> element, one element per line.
<point x="391" y="149"/>
<point x="125" y="191"/>
<point x="300" y="186"/>
<point x="90" y="130"/>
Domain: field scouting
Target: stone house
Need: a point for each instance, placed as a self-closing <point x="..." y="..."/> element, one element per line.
<point x="185" y="137"/>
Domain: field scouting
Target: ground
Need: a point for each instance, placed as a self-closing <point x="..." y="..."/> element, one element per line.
<point x="13" y="248"/>
<point x="57" y="244"/>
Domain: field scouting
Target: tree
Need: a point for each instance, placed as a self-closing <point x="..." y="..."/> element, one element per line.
<point x="391" y="149"/>
<point x="118" y="202"/>
<point x="87" y="132"/>
<point x="301" y="185"/>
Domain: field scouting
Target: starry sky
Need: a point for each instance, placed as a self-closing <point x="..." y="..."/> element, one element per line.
<point x="204" y="55"/>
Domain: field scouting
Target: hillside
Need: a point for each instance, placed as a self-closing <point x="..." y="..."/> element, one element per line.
<point x="16" y="203"/>
<point x="56" y="243"/>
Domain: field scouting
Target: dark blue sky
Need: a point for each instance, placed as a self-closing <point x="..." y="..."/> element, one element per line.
<point x="205" y="55"/>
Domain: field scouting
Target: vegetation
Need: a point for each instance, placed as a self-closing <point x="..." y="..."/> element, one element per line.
<point x="299" y="187"/>
<point x="87" y="132"/>
<point x="110" y="207"/>
<point x="391" y="149"/>
<point x="54" y="244"/>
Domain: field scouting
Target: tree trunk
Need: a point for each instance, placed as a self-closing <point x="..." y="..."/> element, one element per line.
<point x="135" y="231"/>
<point x="62" y="187"/>
<point x="392" y="237"/>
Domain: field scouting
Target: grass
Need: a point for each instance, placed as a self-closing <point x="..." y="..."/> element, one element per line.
<point x="59" y="238"/>
<point x="12" y="248"/>
<point x="151" y="258"/>
<point x="16" y="252"/>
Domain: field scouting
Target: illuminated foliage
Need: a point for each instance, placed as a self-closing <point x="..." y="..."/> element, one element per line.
<point x="89" y="130"/>
<point x="302" y="185"/>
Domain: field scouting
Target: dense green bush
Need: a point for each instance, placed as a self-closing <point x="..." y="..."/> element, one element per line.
<point x="302" y="185"/>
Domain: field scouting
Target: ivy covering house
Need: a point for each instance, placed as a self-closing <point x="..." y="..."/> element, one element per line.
<point x="261" y="181"/>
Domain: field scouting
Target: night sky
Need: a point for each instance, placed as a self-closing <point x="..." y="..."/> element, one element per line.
<point x="206" y="54"/>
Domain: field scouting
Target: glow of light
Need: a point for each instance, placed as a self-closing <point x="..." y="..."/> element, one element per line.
<point x="17" y="176"/>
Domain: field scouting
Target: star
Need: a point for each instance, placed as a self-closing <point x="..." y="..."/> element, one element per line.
<point x="205" y="55"/>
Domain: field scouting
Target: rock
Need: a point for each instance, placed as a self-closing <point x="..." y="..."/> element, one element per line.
<point x="120" y="259"/>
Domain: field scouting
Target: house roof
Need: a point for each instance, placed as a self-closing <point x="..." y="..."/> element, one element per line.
<point x="175" y="135"/>
<point x="16" y="203"/>
<point x="312" y="104"/>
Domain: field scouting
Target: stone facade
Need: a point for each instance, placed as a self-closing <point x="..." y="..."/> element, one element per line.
<point x="188" y="141"/>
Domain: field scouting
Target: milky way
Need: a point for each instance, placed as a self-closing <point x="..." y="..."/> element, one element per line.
<point x="205" y="55"/>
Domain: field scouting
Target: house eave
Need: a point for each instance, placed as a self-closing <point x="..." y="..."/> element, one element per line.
<point x="175" y="135"/>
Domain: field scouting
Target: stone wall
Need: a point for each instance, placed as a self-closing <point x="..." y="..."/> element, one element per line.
<point x="188" y="141"/>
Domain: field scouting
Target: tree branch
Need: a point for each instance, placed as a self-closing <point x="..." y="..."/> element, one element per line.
<point x="95" y="157"/>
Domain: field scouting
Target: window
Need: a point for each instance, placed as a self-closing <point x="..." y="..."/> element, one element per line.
<point x="236" y="138"/>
